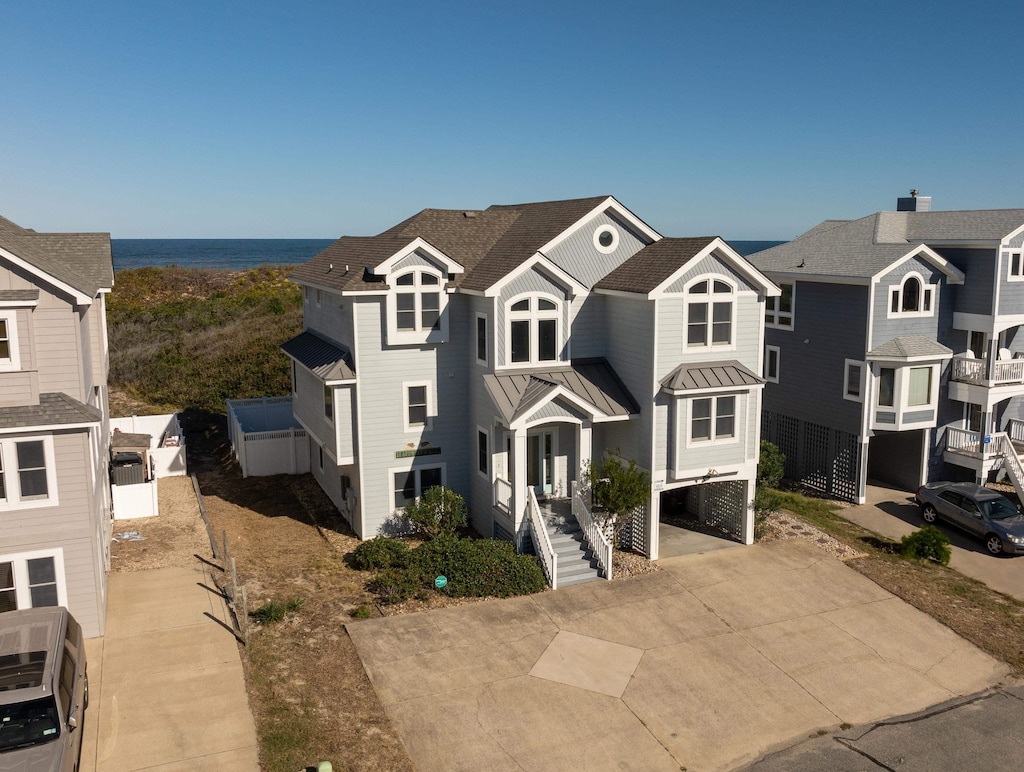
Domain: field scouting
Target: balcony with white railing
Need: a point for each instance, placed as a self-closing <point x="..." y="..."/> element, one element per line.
<point x="1008" y="371"/>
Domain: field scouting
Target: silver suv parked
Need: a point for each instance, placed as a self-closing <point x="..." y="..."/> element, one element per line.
<point x="978" y="510"/>
<point x="44" y="690"/>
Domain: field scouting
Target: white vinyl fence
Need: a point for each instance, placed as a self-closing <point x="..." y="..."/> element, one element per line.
<point x="132" y="501"/>
<point x="266" y="438"/>
<point x="167" y="441"/>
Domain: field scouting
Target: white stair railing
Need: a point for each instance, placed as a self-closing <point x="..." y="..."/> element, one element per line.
<point x="592" y="532"/>
<point x="1015" y="428"/>
<point x="1011" y="463"/>
<point x="503" y="495"/>
<point x="541" y="540"/>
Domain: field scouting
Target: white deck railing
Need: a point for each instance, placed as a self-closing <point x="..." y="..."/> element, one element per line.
<point x="1008" y="371"/>
<point x="968" y="370"/>
<point x="599" y="543"/>
<point x="1004" y="371"/>
<point x="503" y="495"/>
<point x="1015" y="429"/>
<point x="541" y="540"/>
<point x="963" y="441"/>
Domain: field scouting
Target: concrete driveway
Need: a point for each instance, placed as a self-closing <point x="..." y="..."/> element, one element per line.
<point x="165" y="683"/>
<point x="892" y="513"/>
<point x="707" y="664"/>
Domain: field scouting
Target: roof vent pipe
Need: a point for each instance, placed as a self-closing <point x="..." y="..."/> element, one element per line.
<point x="914" y="203"/>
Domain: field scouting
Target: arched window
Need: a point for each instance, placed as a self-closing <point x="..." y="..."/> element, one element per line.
<point x="533" y="329"/>
<point x="710" y="306"/>
<point x="911" y="297"/>
<point x="911" y="294"/>
<point x="417" y="301"/>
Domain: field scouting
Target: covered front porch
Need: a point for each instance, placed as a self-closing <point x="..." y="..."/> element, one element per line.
<point x="544" y="443"/>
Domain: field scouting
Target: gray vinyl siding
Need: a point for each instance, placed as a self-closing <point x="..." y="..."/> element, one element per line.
<point x="974" y="296"/>
<point x="58" y="347"/>
<point x="629" y="331"/>
<point x="710" y="455"/>
<point x="935" y="326"/>
<point x="332" y="320"/>
<point x="747" y="317"/>
<point x="532" y="281"/>
<point x="72" y="525"/>
<point x="381" y="377"/>
<point x="711" y="265"/>
<point x="16" y="388"/>
<point x="556" y="410"/>
<point x="481" y="412"/>
<point x="830" y="326"/>
<point x="417" y="260"/>
<point x="919" y="415"/>
<point x="587" y="335"/>
<point x="1011" y="293"/>
<point x="308" y="407"/>
<point x="578" y="256"/>
<point x="344" y="421"/>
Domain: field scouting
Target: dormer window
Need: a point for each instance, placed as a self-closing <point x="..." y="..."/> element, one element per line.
<point x="912" y="297"/>
<point x="416" y="304"/>
<point x="709" y="313"/>
<point x="533" y="330"/>
<point x="1015" y="264"/>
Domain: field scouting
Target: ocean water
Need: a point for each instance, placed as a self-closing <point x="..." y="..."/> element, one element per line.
<point x="234" y="254"/>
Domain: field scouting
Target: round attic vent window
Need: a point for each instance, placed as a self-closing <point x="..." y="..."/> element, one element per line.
<point x="606" y="238"/>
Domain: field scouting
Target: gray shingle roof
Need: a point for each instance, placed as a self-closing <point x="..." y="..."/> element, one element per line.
<point x="329" y="361"/>
<point x="81" y="260"/>
<point x="592" y="380"/>
<point x="861" y="248"/>
<point x="53" y="409"/>
<point x="487" y="244"/>
<point x="709" y="375"/>
<point x="20" y="295"/>
<point x="653" y="264"/>
<point x="908" y="347"/>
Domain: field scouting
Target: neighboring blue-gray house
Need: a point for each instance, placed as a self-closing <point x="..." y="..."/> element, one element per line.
<point x="895" y="350"/>
<point x="499" y="351"/>
<point x="54" y="437"/>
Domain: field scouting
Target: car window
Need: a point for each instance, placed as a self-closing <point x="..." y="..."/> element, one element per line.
<point x="998" y="509"/>
<point x="970" y="506"/>
<point x="28" y="723"/>
<point x="67" y="682"/>
<point x="952" y="497"/>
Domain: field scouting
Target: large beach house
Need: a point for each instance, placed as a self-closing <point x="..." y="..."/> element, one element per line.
<point x="54" y="492"/>
<point x="498" y="351"/>
<point x="895" y="352"/>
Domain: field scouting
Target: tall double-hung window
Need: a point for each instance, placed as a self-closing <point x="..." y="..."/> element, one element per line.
<point x="533" y="334"/>
<point x="417" y="301"/>
<point x="710" y="308"/>
<point x="27" y="474"/>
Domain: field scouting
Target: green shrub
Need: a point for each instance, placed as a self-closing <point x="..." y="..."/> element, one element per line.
<point x="380" y="552"/>
<point x="394" y="585"/>
<point x="439" y="511"/>
<point x="362" y="612"/>
<point x="275" y="610"/>
<point x="766" y="501"/>
<point x="771" y="465"/>
<point x="929" y="543"/>
<point x="477" y="568"/>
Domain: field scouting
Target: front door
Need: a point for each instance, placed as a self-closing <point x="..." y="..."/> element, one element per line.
<point x="540" y="462"/>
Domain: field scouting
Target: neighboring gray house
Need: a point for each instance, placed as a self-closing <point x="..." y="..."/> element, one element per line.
<point x="498" y="351"/>
<point x="54" y="493"/>
<point x="895" y="350"/>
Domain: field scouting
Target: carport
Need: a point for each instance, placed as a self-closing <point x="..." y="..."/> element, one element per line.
<point x="897" y="458"/>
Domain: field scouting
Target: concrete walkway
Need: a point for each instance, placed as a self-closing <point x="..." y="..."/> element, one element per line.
<point x="707" y="664"/>
<point x="893" y="514"/>
<point x="166" y="684"/>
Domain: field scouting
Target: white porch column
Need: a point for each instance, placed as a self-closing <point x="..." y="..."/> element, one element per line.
<point x="518" y="478"/>
<point x="586" y="446"/>
<point x="653" y="522"/>
<point x="748" y="512"/>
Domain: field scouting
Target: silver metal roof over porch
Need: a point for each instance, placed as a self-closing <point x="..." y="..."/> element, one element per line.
<point x="590" y="383"/>
<point x="696" y="376"/>
<point x="327" y="360"/>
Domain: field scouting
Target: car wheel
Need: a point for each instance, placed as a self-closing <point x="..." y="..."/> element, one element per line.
<point x="994" y="544"/>
<point x="929" y="514"/>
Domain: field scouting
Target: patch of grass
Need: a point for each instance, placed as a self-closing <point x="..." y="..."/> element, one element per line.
<point x="275" y="610"/>
<point x="362" y="612"/>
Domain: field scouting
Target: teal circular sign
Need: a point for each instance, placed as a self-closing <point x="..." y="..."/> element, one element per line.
<point x="440" y="582"/>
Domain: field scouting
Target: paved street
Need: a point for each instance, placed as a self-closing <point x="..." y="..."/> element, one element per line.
<point x="892" y="513"/>
<point x="166" y="684"/>
<point x="708" y="664"/>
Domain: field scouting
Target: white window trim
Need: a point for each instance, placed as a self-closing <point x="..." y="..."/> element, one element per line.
<point x="19" y="561"/>
<point x="418" y="336"/>
<point x="791" y="314"/>
<point x="606" y="228"/>
<point x="534" y="316"/>
<point x="12" y="362"/>
<point x="12" y="481"/>
<point x="737" y="418"/>
<point x="846" y="379"/>
<point x="329" y="401"/>
<point x="431" y="407"/>
<point x="484" y="473"/>
<point x="901" y="397"/>
<point x="768" y="351"/>
<point x="412" y="468"/>
<point x="710" y="278"/>
<point x="897" y="292"/>
<point x="476" y="339"/>
<point x="1009" y="254"/>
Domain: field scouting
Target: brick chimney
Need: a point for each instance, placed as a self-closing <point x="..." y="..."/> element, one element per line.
<point x="914" y="203"/>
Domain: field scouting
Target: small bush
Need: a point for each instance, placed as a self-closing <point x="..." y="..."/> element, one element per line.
<point x="438" y="512"/>
<point x="771" y="465"/>
<point x="275" y="610"/>
<point x="766" y="502"/>
<point x="380" y="552"/>
<point x="394" y="585"/>
<point x="477" y="568"/>
<point x="362" y="612"/>
<point x="929" y="543"/>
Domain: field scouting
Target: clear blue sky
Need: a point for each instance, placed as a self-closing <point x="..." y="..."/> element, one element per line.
<point x="300" y="119"/>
